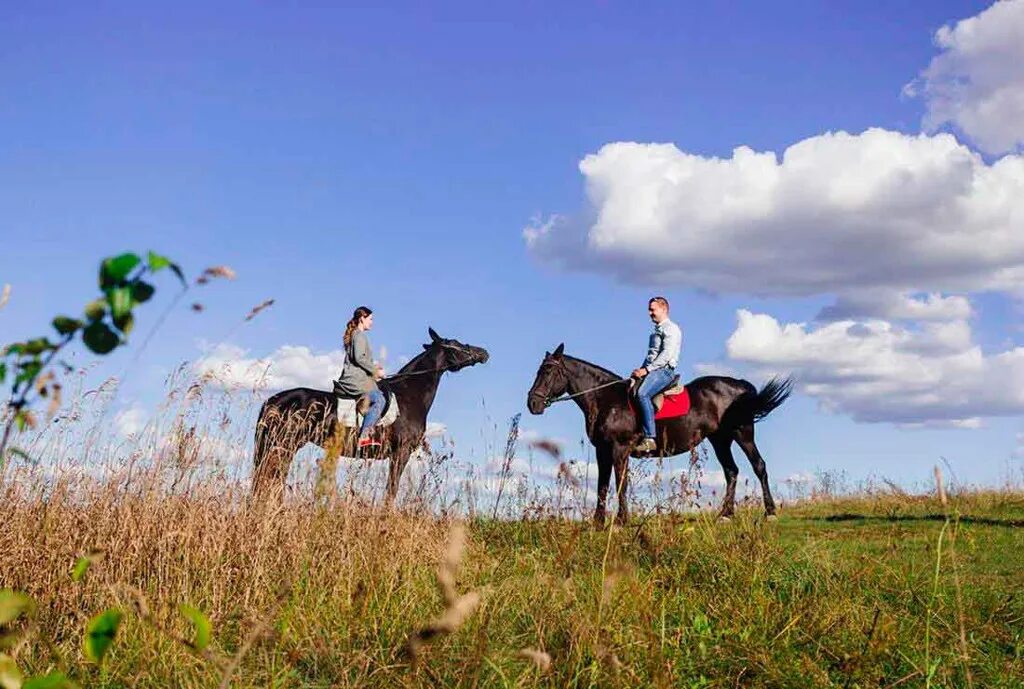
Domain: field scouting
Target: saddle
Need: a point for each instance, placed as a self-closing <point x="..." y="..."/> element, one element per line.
<point x="673" y="389"/>
<point x="671" y="401"/>
<point x="351" y="408"/>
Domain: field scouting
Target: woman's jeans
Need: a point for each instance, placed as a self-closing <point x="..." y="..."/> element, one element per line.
<point x="377" y="400"/>
<point x="654" y="382"/>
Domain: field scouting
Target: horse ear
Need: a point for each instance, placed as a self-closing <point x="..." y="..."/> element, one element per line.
<point x="426" y="346"/>
<point x="559" y="351"/>
<point x="433" y="336"/>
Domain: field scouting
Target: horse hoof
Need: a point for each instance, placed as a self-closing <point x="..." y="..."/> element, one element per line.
<point x="724" y="518"/>
<point x="772" y="518"/>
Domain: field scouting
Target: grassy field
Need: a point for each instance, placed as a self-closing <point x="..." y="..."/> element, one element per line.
<point x="874" y="590"/>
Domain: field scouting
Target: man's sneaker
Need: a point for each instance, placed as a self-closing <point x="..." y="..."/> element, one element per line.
<point x="645" y="446"/>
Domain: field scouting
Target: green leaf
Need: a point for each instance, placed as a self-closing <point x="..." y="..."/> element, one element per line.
<point x="80" y="568"/>
<point x="10" y="675"/>
<point x="27" y="370"/>
<point x="201" y="623"/>
<point x="157" y="262"/>
<point x="120" y="299"/>
<point x="142" y="291"/>
<point x="51" y="680"/>
<point x="23" y="418"/>
<point x="125" y="323"/>
<point x="37" y="346"/>
<point x="83" y="564"/>
<point x="114" y="271"/>
<point x="14" y="604"/>
<point x="3" y="371"/>
<point x="100" y="633"/>
<point x="96" y="309"/>
<point x="66" y="325"/>
<point x="99" y="338"/>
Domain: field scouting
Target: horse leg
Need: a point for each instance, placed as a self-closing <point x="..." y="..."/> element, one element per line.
<point x="399" y="458"/>
<point x="722" y="445"/>
<point x="604" y="475"/>
<point x="333" y="443"/>
<point x="271" y="471"/>
<point x="620" y="460"/>
<point x="745" y="437"/>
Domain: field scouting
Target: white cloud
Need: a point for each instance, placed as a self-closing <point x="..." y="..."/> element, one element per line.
<point x="289" y="366"/>
<point x="128" y="422"/>
<point x="837" y="213"/>
<point x="977" y="81"/>
<point x="435" y="429"/>
<point x="879" y="372"/>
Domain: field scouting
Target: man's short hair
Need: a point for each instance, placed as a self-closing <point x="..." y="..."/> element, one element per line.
<point x="659" y="300"/>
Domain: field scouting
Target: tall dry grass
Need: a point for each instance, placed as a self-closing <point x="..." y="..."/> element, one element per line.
<point x="303" y="591"/>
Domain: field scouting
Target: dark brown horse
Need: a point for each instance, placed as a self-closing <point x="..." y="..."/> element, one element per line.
<point x="292" y="418"/>
<point x="722" y="410"/>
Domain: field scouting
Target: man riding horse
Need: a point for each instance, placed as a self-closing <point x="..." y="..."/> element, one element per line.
<point x="658" y="370"/>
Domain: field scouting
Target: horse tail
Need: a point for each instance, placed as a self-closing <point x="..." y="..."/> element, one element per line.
<point x="772" y="395"/>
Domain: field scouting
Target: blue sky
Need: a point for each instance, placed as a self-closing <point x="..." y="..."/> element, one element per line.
<point x="336" y="156"/>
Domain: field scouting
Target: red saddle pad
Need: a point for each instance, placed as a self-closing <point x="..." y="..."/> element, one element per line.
<point x="674" y="405"/>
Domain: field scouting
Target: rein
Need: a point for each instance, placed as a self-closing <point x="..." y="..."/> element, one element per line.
<point x="393" y="376"/>
<point x="565" y="398"/>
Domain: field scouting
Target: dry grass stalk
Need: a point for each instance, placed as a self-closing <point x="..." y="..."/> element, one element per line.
<point x="549" y="447"/>
<point x="225" y="272"/>
<point x="939" y="487"/>
<point x="265" y="304"/>
<point x="457" y="608"/>
<point x="539" y="658"/>
<point x="5" y="296"/>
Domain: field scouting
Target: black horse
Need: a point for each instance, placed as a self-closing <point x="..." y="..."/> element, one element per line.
<point x="722" y="410"/>
<point x="292" y="418"/>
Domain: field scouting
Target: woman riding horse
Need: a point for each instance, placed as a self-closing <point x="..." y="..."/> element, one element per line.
<point x="360" y="375"/>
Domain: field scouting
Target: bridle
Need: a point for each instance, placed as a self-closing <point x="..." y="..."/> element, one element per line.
<point x="442" y="369"/>
<point x="567" y="396"/>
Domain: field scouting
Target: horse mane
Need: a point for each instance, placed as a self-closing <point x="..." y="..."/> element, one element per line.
<point x="593" y="366"/>
<point x="415" y="361"/>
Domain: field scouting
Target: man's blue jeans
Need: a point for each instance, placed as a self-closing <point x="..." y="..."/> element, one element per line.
<point x="377" y="400"/>
<point x="654" y="382"/>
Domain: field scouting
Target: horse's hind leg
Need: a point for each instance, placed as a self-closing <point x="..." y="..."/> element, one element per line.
<point x="745" y="437"/>
<point x="722" y="445"/>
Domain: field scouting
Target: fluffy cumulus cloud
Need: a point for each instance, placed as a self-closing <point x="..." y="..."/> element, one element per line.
<point x="929" y="375"/>
<point x="977" y="81"/>
<point x="835" y="213"/>
<point x="289" y="366"/>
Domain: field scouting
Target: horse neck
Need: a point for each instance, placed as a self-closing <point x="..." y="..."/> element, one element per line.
<point x="428" y="365"/>
<point x="583" y="376"/>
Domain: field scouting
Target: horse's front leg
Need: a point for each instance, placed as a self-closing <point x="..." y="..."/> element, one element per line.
<point x="334" y="444"/>
<point x="399" y="458"/>
<point x="604" y="475"/>
<point x="620" y="460"/>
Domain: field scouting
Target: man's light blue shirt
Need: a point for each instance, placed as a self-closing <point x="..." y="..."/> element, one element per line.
<point x="664" y="346"/>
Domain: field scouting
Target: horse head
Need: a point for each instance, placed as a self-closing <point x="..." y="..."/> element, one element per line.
<point x="552" y="380"/>
<point x="456" y="355"/>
